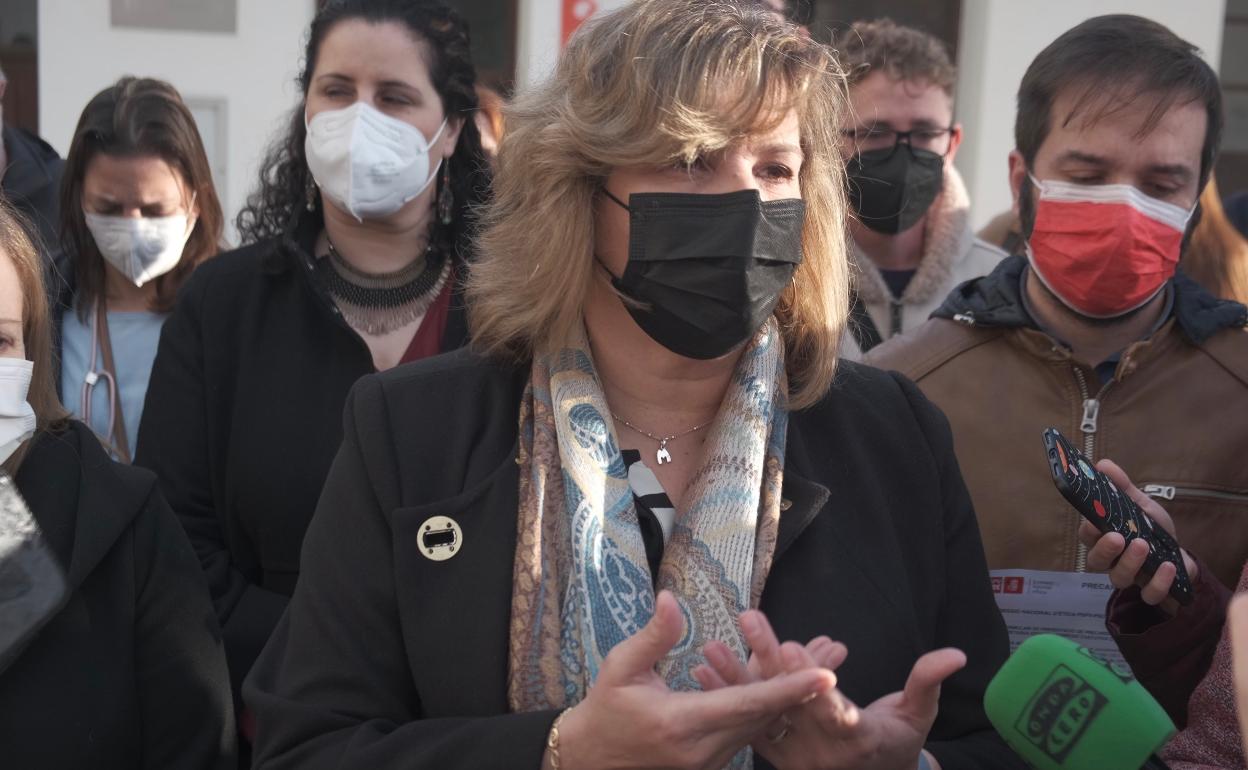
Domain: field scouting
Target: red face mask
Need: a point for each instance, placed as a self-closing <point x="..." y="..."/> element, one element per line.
<point x="1104" y="250"/>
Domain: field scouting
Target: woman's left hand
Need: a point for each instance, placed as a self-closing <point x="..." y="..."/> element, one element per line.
<point x="830" y="732"/>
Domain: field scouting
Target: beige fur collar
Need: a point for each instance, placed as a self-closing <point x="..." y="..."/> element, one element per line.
<point x="946" y="240"/>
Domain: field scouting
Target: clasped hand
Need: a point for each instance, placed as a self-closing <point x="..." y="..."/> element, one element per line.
<point x="784" y="703"/>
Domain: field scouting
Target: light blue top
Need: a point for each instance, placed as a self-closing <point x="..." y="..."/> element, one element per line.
<point x="134" y="337"/>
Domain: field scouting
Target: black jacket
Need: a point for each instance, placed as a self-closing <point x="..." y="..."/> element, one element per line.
<point x="386" y="659"/>
<point x="242" y="419"/>
<point x="130" y="673"/>
<point x="32" y="183"/>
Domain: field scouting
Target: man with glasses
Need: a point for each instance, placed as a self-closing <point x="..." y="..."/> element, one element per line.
<point x="912" y="234"/>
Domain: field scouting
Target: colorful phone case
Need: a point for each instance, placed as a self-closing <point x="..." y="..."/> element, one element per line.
<point x="1108" y="508"/>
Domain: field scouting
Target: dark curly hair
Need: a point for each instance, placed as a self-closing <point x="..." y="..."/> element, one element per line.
<point x="284" y="175"/>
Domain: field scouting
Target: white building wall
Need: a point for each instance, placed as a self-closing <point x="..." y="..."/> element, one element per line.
<point x="240" y="86"/>
<point x="999" y="38"/>
<point x="540" y="29"/>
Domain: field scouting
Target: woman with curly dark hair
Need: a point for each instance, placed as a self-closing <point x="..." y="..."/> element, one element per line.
<point x="357" y="244"/>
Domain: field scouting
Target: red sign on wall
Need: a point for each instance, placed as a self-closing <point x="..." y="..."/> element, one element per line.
<point x="575" y="12"/>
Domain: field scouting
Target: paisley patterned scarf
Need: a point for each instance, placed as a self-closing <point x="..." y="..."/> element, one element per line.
<point x="582" y="583"/>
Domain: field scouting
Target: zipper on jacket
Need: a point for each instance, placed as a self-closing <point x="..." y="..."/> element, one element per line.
<point x="1160" y="491"/>
<point x="1091" y="411"/>
<point x="895" y="308"/>
<point x="1169" y="492"/>
<point x="1088" y="426"/>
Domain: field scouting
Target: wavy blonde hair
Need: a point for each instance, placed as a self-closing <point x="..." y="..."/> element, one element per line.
<point x="657" y="82"/>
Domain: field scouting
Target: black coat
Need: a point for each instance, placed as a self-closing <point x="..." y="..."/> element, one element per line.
<point x="242" y="419"/>
<point x="131" y="672"/>
<point x="32" y="183"/>
<point x="386" y="659"/>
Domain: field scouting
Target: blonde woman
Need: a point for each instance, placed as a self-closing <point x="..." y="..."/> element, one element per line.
<point x="559" y="549"/>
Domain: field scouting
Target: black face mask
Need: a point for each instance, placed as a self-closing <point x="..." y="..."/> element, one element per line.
<point x="891" y="190"/>
<point x="708" y="269"/>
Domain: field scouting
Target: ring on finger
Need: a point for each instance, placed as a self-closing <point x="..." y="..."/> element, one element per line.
<point x="783" y="732"/>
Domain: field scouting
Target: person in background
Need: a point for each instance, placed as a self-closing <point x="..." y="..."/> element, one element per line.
<point x="1237" y="621"/>
<point x="536" y="552"/>
<point x="912" y="239"/>
<point x="358" y="243"/>
<point x="30" y="178"/>
<point x="1092" y="331"/>
<point x="1217" y="257"/>
<point x="138" y="214"/>
<point x="130" y="671"/>
<point x="1236" y="206"/>
<point x="1004" y="232"/>
<point x="1182" y="655"/>
<point x="489" y="120"/>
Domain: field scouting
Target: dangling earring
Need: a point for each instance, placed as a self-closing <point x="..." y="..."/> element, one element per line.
<point x="446" y="199"/>
<point x="311" y="194"/>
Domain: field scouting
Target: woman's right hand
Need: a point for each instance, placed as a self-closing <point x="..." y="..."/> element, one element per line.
<point x="630" y="718"/>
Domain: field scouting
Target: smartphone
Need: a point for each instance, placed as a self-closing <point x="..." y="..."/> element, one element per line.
<point x="1101" y="502"/>
<point x="32" y="583"/>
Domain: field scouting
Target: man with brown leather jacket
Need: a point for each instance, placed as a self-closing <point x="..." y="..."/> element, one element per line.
<point x="1091" y="330"/>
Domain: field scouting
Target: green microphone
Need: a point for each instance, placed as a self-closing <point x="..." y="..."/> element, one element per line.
<point x="1061" y="707"/>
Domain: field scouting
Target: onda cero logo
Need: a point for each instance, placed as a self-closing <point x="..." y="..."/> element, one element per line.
<point x="1060" y="713"/>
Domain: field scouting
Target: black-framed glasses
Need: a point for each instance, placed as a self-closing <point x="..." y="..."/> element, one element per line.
<point x="937" y="140"/>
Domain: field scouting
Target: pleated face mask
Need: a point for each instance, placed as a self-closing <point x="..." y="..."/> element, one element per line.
<point x="706" y="271"/>
<point x="1104" y="250"/>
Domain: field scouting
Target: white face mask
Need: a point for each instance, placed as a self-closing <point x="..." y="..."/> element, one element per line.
<point x="17" y="417"/>
<point x="142" y="249"/>
<point x="369" y="163"/>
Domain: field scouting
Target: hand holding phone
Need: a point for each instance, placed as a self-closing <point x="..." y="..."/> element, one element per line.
<point x="1122" y="561"/>
<point x="1103" y="503"/>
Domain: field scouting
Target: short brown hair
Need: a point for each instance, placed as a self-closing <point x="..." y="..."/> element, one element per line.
<point x="138" y="117"/>
<point x="1108" y="62"/>
<point x="17" y="245"/>
<point x="649" y="84"/>
<point x="902" y="53"/>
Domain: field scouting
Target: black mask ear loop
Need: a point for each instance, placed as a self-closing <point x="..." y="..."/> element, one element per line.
<point x="615" y="279"/>
<point x="618" y="202"/>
